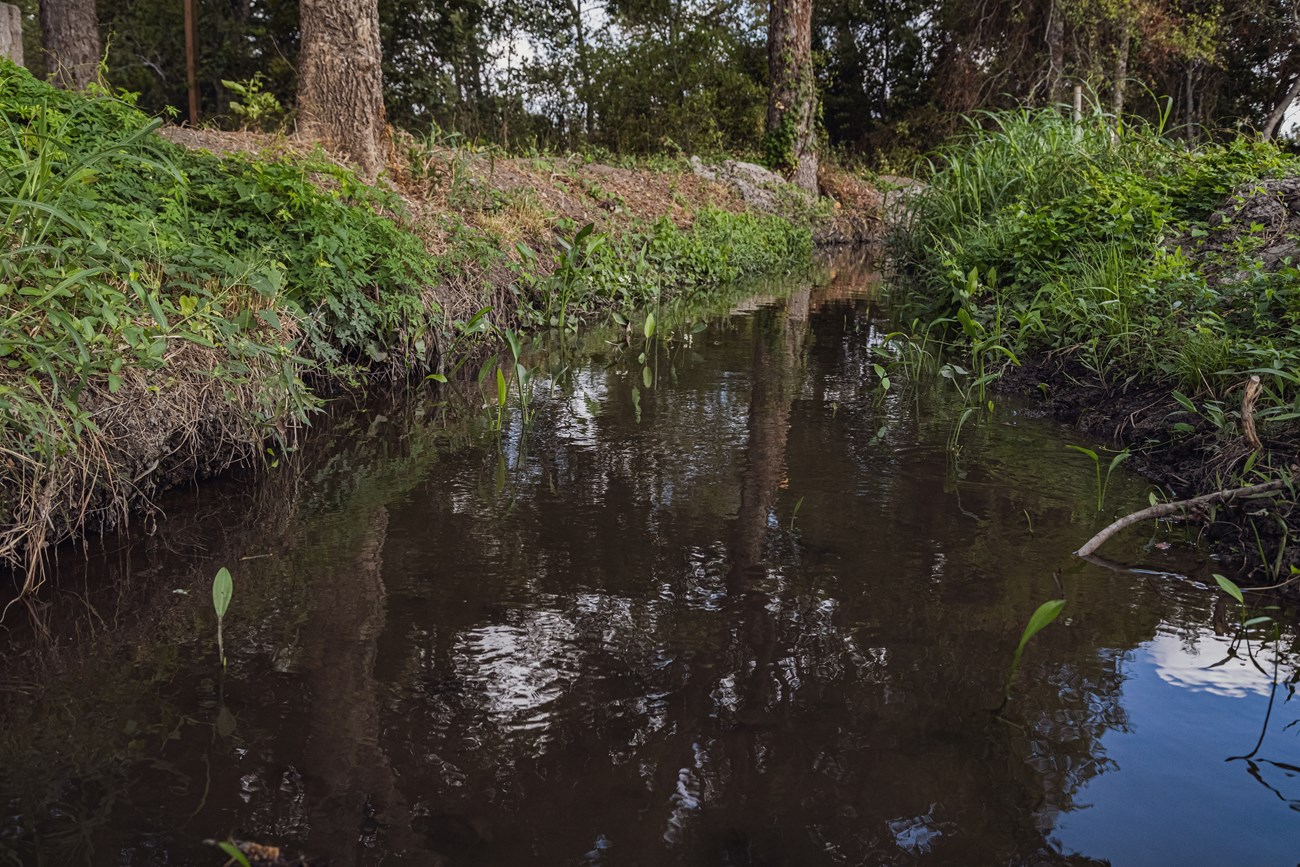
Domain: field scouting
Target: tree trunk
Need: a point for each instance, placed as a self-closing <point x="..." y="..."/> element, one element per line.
<point x="792" y="98"/>
<point x="1275" y="118"/>
<point x="584" y="65"/>
<point x="70" y="38"/>
<point x="340" y="80"/>
<point x="11" y="33"/>
<point x="1055" y="53"/>
<point x="1117" y="93"/>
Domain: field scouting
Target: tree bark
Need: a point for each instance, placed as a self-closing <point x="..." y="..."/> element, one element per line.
<point x="792" y="97"/>
<point x="70" y="39"/>
<point x="340" y="80"/>
<point x="11" y="32"/>
<point x="1055" y="53"/>
<point x="1118" y="89"/>
<point x="1275" y="118"/>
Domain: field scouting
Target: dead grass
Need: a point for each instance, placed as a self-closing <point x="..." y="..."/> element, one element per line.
<point x="162" y="427"/>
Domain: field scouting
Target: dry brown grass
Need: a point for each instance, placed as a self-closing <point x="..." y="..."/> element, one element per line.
<point x="162" y="427"/>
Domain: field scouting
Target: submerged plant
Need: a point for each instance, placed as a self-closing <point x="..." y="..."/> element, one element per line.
<point x="222" y="590"/>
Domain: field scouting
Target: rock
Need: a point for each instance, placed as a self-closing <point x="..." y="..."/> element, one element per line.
<point x="759" y="188"/>
<point x="1262" y="215"/>
<point x="898" y="195"/>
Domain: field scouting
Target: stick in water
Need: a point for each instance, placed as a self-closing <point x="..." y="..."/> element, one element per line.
<point x="1160" y="510"/>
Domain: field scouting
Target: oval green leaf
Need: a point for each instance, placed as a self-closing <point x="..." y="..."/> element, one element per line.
<point x="223" y="588"/>
<point x="1230" y="588"/>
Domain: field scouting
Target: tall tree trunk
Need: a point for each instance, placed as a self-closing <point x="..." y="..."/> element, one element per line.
<point x="584" y="65"/>
<point x="1120" y="85"/>
<point x="1055" y="53"/>
<point x="70" y="39"/>
<point x="792" y="98"/>
<point x="340" y="80"/>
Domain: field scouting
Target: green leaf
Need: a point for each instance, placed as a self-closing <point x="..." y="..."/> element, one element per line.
<point x="436" y="377"/>
<point x="1185" y="402"/>
<point x="234" y="853"/>
<point x="1230" y="588"/>
<point x="501" y="388"/>
<point x="223" y="588"/>
<point x="649" y="326"/>
<point x="1040" y="620"/>
<point x="1084" y="451"/>
<point x="647" y="376"/>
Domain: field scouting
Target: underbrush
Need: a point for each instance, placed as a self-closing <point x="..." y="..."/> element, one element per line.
<point x="165" y="312"/>
<point x="1119" y="260"/>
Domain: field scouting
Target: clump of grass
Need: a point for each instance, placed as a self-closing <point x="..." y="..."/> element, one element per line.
<point x="1086" y="239"/>
<point x="161" y="307"/>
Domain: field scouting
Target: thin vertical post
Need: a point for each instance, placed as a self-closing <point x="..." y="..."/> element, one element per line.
<point x="191" y="74"/>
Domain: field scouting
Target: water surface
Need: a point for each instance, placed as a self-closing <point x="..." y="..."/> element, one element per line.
<point x="732" y="605"/>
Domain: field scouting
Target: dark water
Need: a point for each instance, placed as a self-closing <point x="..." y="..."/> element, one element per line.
<point x="753" y="613"/>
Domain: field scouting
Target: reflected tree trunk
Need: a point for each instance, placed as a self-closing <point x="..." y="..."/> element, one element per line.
<point x="777" y="358"/>
<point x="352" y="788"/>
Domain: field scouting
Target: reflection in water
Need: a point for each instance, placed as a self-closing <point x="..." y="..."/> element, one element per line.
<point x="611" y="640"/>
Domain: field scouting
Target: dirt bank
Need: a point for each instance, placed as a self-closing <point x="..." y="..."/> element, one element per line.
<point x="1186" y="454"/>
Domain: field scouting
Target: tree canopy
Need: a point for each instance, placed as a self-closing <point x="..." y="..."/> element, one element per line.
<point x="893" y="76"/>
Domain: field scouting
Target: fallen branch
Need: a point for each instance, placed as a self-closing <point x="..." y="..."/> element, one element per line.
<point x="1161" y="510"/>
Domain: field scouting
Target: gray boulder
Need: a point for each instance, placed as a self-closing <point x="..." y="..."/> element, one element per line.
<point x="759" y="188"/>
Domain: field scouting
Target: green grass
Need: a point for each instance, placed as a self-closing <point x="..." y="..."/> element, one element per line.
<point x="1094" y="243"/>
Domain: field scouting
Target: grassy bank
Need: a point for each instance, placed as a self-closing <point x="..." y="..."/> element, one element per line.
<point x="166" y="310"/>
<point x="1133" y="284"/>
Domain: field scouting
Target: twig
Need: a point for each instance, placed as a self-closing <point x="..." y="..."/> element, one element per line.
<point x="1160" y="510"/>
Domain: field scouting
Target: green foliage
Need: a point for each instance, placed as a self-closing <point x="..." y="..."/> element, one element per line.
<point x="635" y="269"/>
<point x="256" y="107"/>
<point x="223" y="589"/>
<point x="125" y="253"/>
<point x="1089" y="240"/>
<point x="1102" y="482"/>
<point x="1042" y="617"/>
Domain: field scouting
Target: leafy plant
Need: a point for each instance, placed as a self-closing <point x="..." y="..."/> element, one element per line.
<point x="1042" y="617"/>
<point x="256" y="107"/>
<point x="1102" y="482"/>
<point x="223" y="589"/>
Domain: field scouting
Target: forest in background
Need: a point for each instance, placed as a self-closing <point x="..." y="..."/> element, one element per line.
<point x="894" y="77"/>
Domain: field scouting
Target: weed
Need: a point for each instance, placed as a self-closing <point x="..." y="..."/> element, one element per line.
<point x="1102" y="482"/>
<point x="223" y="590"/>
